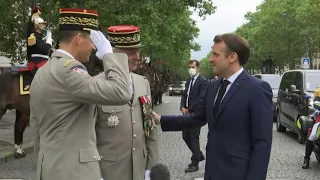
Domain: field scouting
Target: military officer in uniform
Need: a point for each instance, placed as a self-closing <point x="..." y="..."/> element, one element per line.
<point x="63" y="94"/>
<point x="38" y="47"/>
<point x="127" y="153"/>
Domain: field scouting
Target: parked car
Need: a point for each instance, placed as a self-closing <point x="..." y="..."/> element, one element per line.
<point x="295" y="101"/>
<point x="274" y="81"/>
<point x="177" y="88"/>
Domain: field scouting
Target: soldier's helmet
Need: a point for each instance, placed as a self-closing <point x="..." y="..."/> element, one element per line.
<point x="35" y="16"/>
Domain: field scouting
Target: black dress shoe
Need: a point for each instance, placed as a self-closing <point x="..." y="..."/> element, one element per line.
<point x="192" y="169"/>
<point x="305" y="163"/>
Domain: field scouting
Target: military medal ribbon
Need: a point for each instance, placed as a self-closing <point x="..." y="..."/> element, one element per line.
<point x="148" y="121"/>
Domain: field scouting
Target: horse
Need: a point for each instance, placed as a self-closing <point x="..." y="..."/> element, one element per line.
<point x="11" y="98"/>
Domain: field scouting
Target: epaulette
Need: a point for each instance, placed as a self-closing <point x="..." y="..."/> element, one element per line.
<point x="31" y="40"/>
<point x="69" y="61"/>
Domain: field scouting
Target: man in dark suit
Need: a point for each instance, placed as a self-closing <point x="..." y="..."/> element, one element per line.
<point x="195" y="87"/>
<point x="240" y="127"/>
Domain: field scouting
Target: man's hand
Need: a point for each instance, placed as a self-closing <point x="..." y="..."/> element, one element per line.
<point x="156" y="118"/>
<point x="185" y="111"/>
<point x="101" y="42"/>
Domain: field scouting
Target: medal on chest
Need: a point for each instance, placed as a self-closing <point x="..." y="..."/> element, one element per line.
<point x="148" y="121"/>
<point x="113" y="121"/>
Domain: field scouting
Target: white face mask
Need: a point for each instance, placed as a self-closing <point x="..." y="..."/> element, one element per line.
<point x="192" y="72"/>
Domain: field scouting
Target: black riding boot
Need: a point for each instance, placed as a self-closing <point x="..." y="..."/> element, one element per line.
<point x="309" y="148"/>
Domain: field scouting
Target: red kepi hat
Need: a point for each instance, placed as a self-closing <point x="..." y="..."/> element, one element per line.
<point x="124" y="36"/>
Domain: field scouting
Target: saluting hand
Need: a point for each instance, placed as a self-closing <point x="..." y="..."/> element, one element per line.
<point x="101" y="42"/>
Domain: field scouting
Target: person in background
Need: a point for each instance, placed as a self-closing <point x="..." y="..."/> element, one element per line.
<point x="38" y="47"/>
<point x="313" y="134"/>
<point x="194" y="89"/>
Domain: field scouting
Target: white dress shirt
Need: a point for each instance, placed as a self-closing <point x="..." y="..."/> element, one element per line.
<point x="194" y="80"/>
<point x="231" y="80"/>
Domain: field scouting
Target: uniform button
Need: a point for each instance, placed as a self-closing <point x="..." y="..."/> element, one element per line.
<point x="112" y="111"/>
<point x="134" y="122"/>
<point x="132" y="109"/>
<point x="101" y="157"/>
<point x="133" y="149"/>
<point x="94" y="157"/>
<point x="134" y="135"/>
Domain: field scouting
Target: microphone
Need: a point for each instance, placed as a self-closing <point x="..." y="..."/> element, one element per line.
<point x="159" y="172"/>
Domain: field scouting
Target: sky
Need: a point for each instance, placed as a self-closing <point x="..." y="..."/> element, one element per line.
<point x="229" y="16"/>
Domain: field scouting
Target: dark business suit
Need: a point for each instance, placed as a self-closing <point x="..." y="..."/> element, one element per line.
<point x="240" y="136"/>
<point x="191" y="136"/>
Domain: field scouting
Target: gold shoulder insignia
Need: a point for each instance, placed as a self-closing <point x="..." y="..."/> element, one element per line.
<point x="145" y="77"/>
<point x="32" y="40"/>
<point x="69" y="61"/>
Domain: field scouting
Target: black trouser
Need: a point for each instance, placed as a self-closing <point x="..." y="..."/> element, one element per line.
<point x="309" y="149"/>
<point x="191" y="137"/>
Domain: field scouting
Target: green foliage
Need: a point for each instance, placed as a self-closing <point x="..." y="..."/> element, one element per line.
<point x="283" y="30"/>
<point x="166" y="26"/>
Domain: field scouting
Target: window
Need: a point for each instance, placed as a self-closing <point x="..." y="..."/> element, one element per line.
<point x="312" y="81"/>
<point x="287" y="80"/>
<point x="299" y="81"/>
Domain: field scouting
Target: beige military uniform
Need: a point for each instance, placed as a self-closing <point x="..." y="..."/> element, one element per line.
<point x="126" y="153"/>
<point x="62" y="95"/>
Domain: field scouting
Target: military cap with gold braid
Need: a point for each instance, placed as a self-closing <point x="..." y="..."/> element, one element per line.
<point x="124" y="36"/>
<point x="72" y="19"/>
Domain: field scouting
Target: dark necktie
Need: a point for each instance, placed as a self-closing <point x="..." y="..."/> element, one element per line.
<point x="191" y="83"/>
<point x="222" y="91"/>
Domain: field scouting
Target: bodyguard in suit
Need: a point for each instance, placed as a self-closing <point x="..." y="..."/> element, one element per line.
<point x="238" y="110"/>
<point x="63" y="94"/>
<point x="195" y="87"/>
<point x="127" y="151"/>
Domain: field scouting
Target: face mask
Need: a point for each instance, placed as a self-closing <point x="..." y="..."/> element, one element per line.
<point x="192" y="71"/>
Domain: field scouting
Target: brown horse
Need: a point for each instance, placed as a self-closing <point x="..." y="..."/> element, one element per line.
<point x="10" y="98"/>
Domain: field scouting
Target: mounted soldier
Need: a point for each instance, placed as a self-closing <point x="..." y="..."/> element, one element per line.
<point x="38" y="47"/>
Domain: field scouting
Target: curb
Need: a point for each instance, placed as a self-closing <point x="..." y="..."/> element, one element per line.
<point x="8" y="154"/>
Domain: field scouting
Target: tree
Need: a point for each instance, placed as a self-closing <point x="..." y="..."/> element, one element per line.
<point x="166" y="26"/>
<point x="282" y="30"/>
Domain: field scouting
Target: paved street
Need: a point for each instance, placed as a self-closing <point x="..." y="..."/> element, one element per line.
<point x="285" y="163"/>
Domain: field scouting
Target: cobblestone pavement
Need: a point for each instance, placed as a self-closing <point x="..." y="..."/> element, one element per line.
<point x="285" y="162"/>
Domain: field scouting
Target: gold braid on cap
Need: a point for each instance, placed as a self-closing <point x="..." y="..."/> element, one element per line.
<point x="78" y="21"/>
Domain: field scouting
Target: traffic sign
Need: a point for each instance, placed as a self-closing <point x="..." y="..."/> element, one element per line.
<point x="305" y="64"/>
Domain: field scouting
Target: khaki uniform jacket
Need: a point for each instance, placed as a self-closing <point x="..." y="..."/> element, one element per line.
<point x="126" y="153"/>
<point x="62" y="95"/>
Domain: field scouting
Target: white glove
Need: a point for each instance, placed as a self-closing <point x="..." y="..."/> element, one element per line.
<point x="49" y="40"/>
<point x="101" y="42"/>
<point x="147" y="175"/>
<point x="49" y="33"/>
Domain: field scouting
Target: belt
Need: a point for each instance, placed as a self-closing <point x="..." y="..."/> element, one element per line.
<point x="40" y="55"/>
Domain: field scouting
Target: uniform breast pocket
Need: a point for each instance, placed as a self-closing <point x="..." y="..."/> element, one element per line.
<point x="111" y="116"/>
